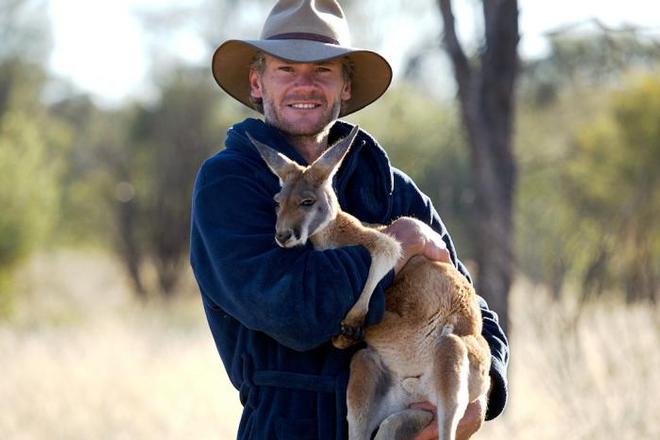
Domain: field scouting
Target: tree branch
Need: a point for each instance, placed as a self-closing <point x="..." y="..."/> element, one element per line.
<point x="500" y="58"/>
<point x="462" y="70"/>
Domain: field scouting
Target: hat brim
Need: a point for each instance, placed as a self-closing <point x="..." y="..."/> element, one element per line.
<point x="371" y="74"/>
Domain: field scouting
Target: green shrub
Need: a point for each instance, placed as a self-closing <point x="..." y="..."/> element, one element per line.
<point x="28" y="194"/>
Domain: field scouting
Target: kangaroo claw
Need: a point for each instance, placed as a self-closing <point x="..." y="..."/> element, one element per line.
<point x="348" y="336"/>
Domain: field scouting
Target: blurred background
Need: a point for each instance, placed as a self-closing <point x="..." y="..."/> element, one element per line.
<point x="542" y="156"/>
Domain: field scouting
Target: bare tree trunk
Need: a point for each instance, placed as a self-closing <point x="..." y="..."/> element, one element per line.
<point x="128" y="245"/>
<point x="486" y="95"/>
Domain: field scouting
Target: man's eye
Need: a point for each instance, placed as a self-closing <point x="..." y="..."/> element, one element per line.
<point x="287" y="69"/>
<point x="307" y="202"/>
<point x="323" y="70"/>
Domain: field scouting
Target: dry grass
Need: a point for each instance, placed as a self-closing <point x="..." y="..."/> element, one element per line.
<point x="80" y="361"/>
<point x="579" y="374"/>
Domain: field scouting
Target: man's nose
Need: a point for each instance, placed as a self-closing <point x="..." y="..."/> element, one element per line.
<point x="305" y="78"/>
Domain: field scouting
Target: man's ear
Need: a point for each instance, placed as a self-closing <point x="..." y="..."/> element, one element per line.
<point x="346" y="91"/>
<point x="255" y="84"/>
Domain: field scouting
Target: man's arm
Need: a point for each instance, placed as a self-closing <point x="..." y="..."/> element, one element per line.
<point x="297" y="296"/>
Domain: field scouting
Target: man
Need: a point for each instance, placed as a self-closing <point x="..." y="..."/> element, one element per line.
<point x="272" y="311"/>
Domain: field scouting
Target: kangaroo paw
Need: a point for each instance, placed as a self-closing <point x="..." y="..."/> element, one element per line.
<point x="349" y="335"/>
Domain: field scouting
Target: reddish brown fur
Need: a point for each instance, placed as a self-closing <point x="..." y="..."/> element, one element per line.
<point x="420" y="291"/>
<point x="425" y="298"/>
<point x="428" y="345"/>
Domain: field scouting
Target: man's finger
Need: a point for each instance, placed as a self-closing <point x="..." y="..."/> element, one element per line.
<point x="437" y="253"/>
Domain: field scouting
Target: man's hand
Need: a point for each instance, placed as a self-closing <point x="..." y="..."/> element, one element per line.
<point x="417" y="238"/>
<point x="467" y="426"/>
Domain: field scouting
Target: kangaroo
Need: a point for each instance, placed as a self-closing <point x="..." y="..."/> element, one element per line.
<point x="428" y="347"/>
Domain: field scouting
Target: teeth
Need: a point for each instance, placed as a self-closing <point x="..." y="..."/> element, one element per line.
<point x="303" y="106"/>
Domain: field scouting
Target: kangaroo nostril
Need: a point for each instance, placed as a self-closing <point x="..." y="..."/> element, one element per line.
<point x="283" y="236"/>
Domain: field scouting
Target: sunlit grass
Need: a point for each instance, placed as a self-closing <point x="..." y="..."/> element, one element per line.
<point x="82" y="361"/>
<point x="581" y="373"/>
<point x="97" y="366"/>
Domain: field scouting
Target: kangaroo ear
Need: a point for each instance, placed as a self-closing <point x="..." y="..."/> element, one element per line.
<point x="278" y="163"/>
<point x="326" y="166"/>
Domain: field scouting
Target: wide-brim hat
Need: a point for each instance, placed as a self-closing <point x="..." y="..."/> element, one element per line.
<point x="303" y="31"/>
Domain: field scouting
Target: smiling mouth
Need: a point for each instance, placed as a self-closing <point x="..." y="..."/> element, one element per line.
<point x="304" y="106"/>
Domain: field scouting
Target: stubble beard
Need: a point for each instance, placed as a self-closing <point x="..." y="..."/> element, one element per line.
<point x="291" y="129"/>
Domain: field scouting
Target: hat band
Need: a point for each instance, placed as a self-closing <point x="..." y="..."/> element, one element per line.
<point x="304" y="36"/>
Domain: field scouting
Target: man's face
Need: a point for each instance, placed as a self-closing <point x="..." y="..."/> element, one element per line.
<point x="301" y="99"/>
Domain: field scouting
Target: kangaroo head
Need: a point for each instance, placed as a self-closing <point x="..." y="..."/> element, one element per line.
<point x="307" y="201"/>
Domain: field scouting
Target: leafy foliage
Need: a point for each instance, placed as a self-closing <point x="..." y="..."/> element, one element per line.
<point x="614" y="188"/>
<point x="167" y="143"/>
<point x="589" y="190"/>
<point x="29" y="170"/>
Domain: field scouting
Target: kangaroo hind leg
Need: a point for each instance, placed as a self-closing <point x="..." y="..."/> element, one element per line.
<point x="368" y="396"/>
<point x="479" y="356"/>
<point x="451" y="370"/>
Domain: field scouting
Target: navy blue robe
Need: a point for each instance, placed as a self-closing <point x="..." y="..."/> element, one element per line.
<point x="272" y="311"/>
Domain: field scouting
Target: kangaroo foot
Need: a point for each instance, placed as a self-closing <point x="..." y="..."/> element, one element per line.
<point x="404" y="425"/>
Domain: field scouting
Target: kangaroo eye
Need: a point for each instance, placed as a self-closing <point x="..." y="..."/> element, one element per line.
<point x="307" y="202"/>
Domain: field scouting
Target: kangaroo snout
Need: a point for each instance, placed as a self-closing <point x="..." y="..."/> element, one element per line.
<point x="287" y="238"/>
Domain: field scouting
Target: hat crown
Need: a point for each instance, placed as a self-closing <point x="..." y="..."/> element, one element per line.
<point x="321" y="20"/>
